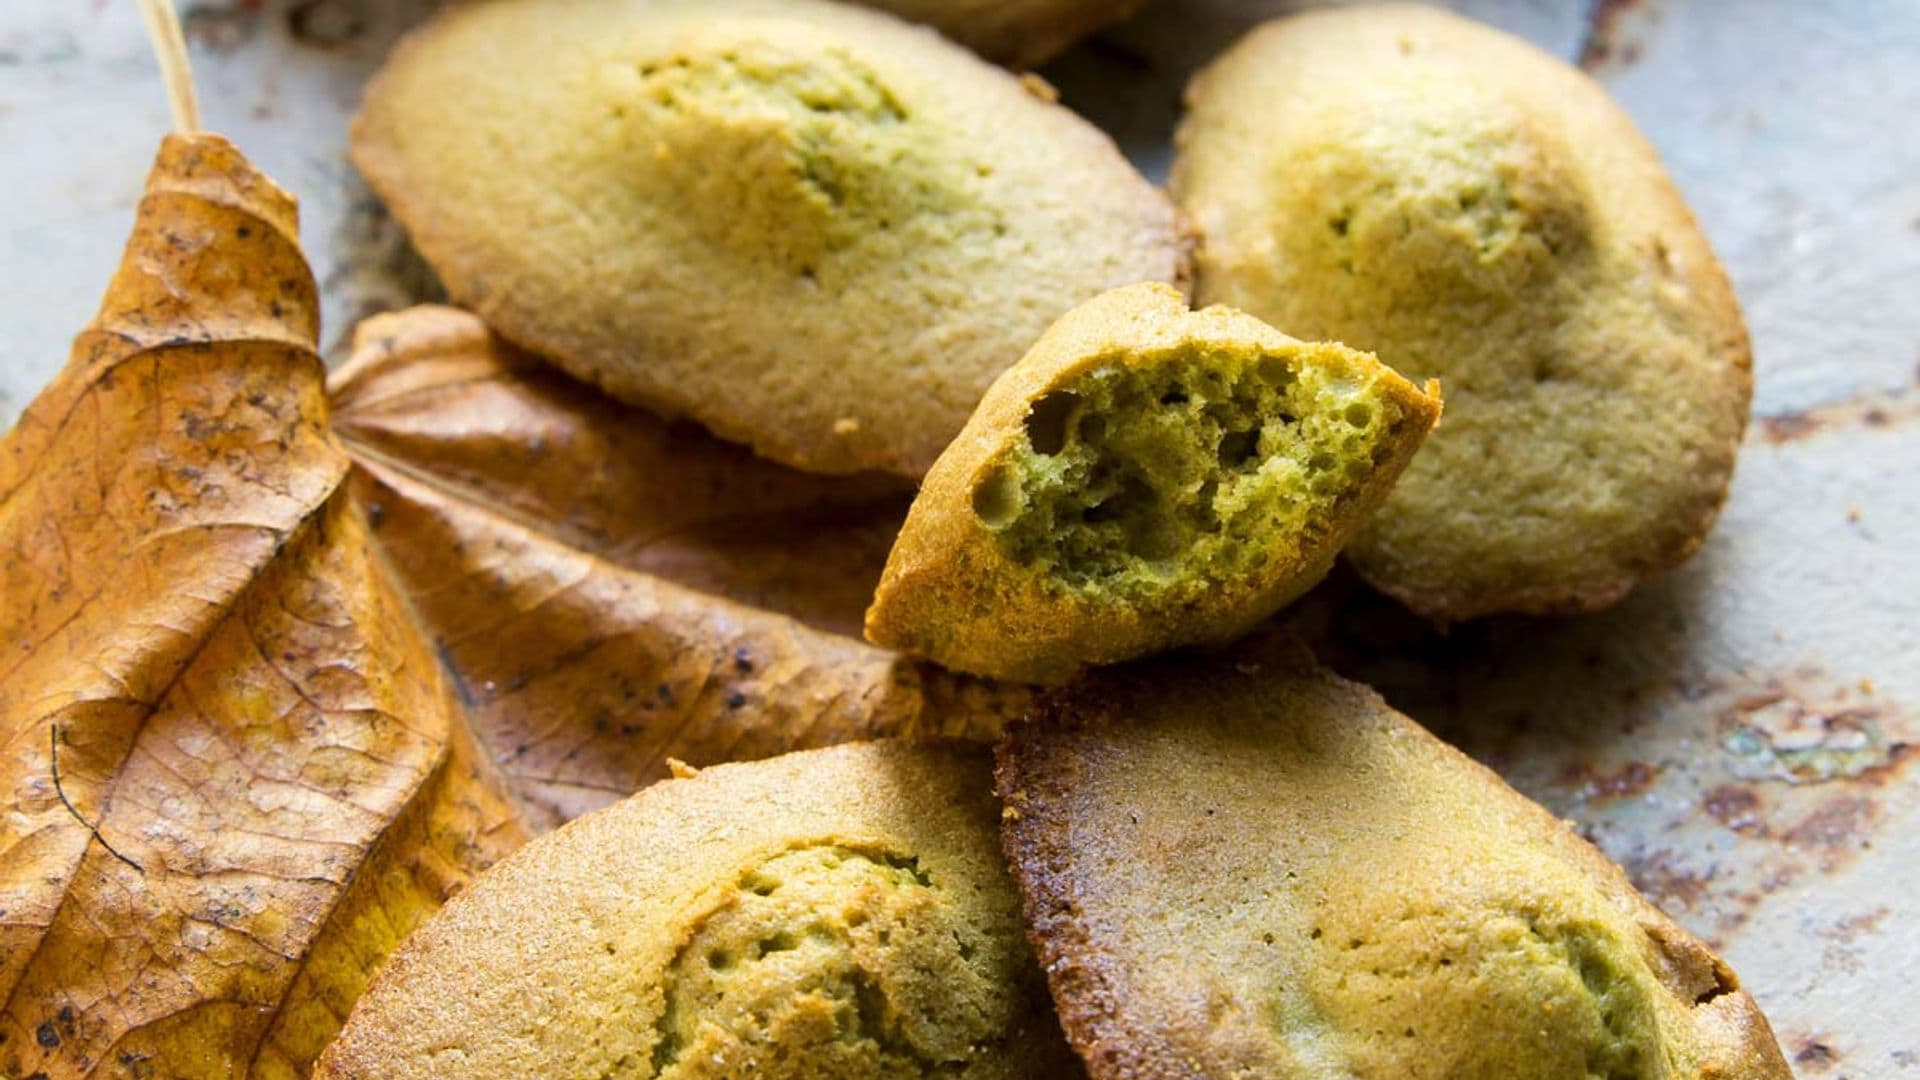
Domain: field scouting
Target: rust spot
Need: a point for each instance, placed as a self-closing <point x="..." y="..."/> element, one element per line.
<point x="1897" y="755"/>
<point x="1661" y="876"/>
<point x="1814" y="1053"/>
<point x="1610" y="39"/>
<point x="1837" y="825"/>
<point x="1738" y="808"/>
<point x="1779" y="878"/>
<point x="1848" y="930"/>
<point x="1786" y="427"/>
<point x="1800" y="729"/>
<point x="1871" y="409"/>
<point x="1737" y="906"/>
<point x="1633" y="778"/>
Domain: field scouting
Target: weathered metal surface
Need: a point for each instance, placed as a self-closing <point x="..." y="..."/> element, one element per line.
<point x="1741" y="735"/>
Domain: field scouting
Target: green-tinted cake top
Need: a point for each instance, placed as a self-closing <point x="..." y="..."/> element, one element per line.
<point x="813" y="227"/>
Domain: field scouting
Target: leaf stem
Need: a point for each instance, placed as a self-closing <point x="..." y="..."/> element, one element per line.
<point x="170" y="48"/>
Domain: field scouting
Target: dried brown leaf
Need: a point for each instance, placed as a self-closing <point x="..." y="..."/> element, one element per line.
<point x="234" y="776"/>
<point x="432" y="394"/>
<point x="613" y="590"/>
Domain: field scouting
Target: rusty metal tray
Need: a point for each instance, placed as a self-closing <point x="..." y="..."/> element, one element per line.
<point x="1741" y="735"/>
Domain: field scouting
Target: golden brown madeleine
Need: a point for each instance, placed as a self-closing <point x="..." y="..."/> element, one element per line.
<point x="1472" y="209"/>
<point x="1148" y="476"/>
<point x="1017" y="32"/>
<point x="1243" y="865"/>
<point x="839" y="913"/>
<point x="814" y="228"/>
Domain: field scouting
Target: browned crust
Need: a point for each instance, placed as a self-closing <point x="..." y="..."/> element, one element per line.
<point x="1038" y="767"/>
<point x="1034" y="774"/>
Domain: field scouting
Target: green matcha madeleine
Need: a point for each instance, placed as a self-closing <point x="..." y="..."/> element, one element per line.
<point x="828" y="915"/>
<point x="813" y="227"/>
<point x="1147" y="476"/>
<point x="1244" y="866"/>
<point x="1474" y="210"/>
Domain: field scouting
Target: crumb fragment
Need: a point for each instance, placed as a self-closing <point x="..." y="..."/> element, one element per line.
<point x="1040" y="88"/>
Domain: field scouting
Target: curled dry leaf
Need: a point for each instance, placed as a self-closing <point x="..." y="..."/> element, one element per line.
<point x="236" y="771"/>
<point x="611" y="589"/>
<point x="431" y="393"/>
<point x="233" y="775"/>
